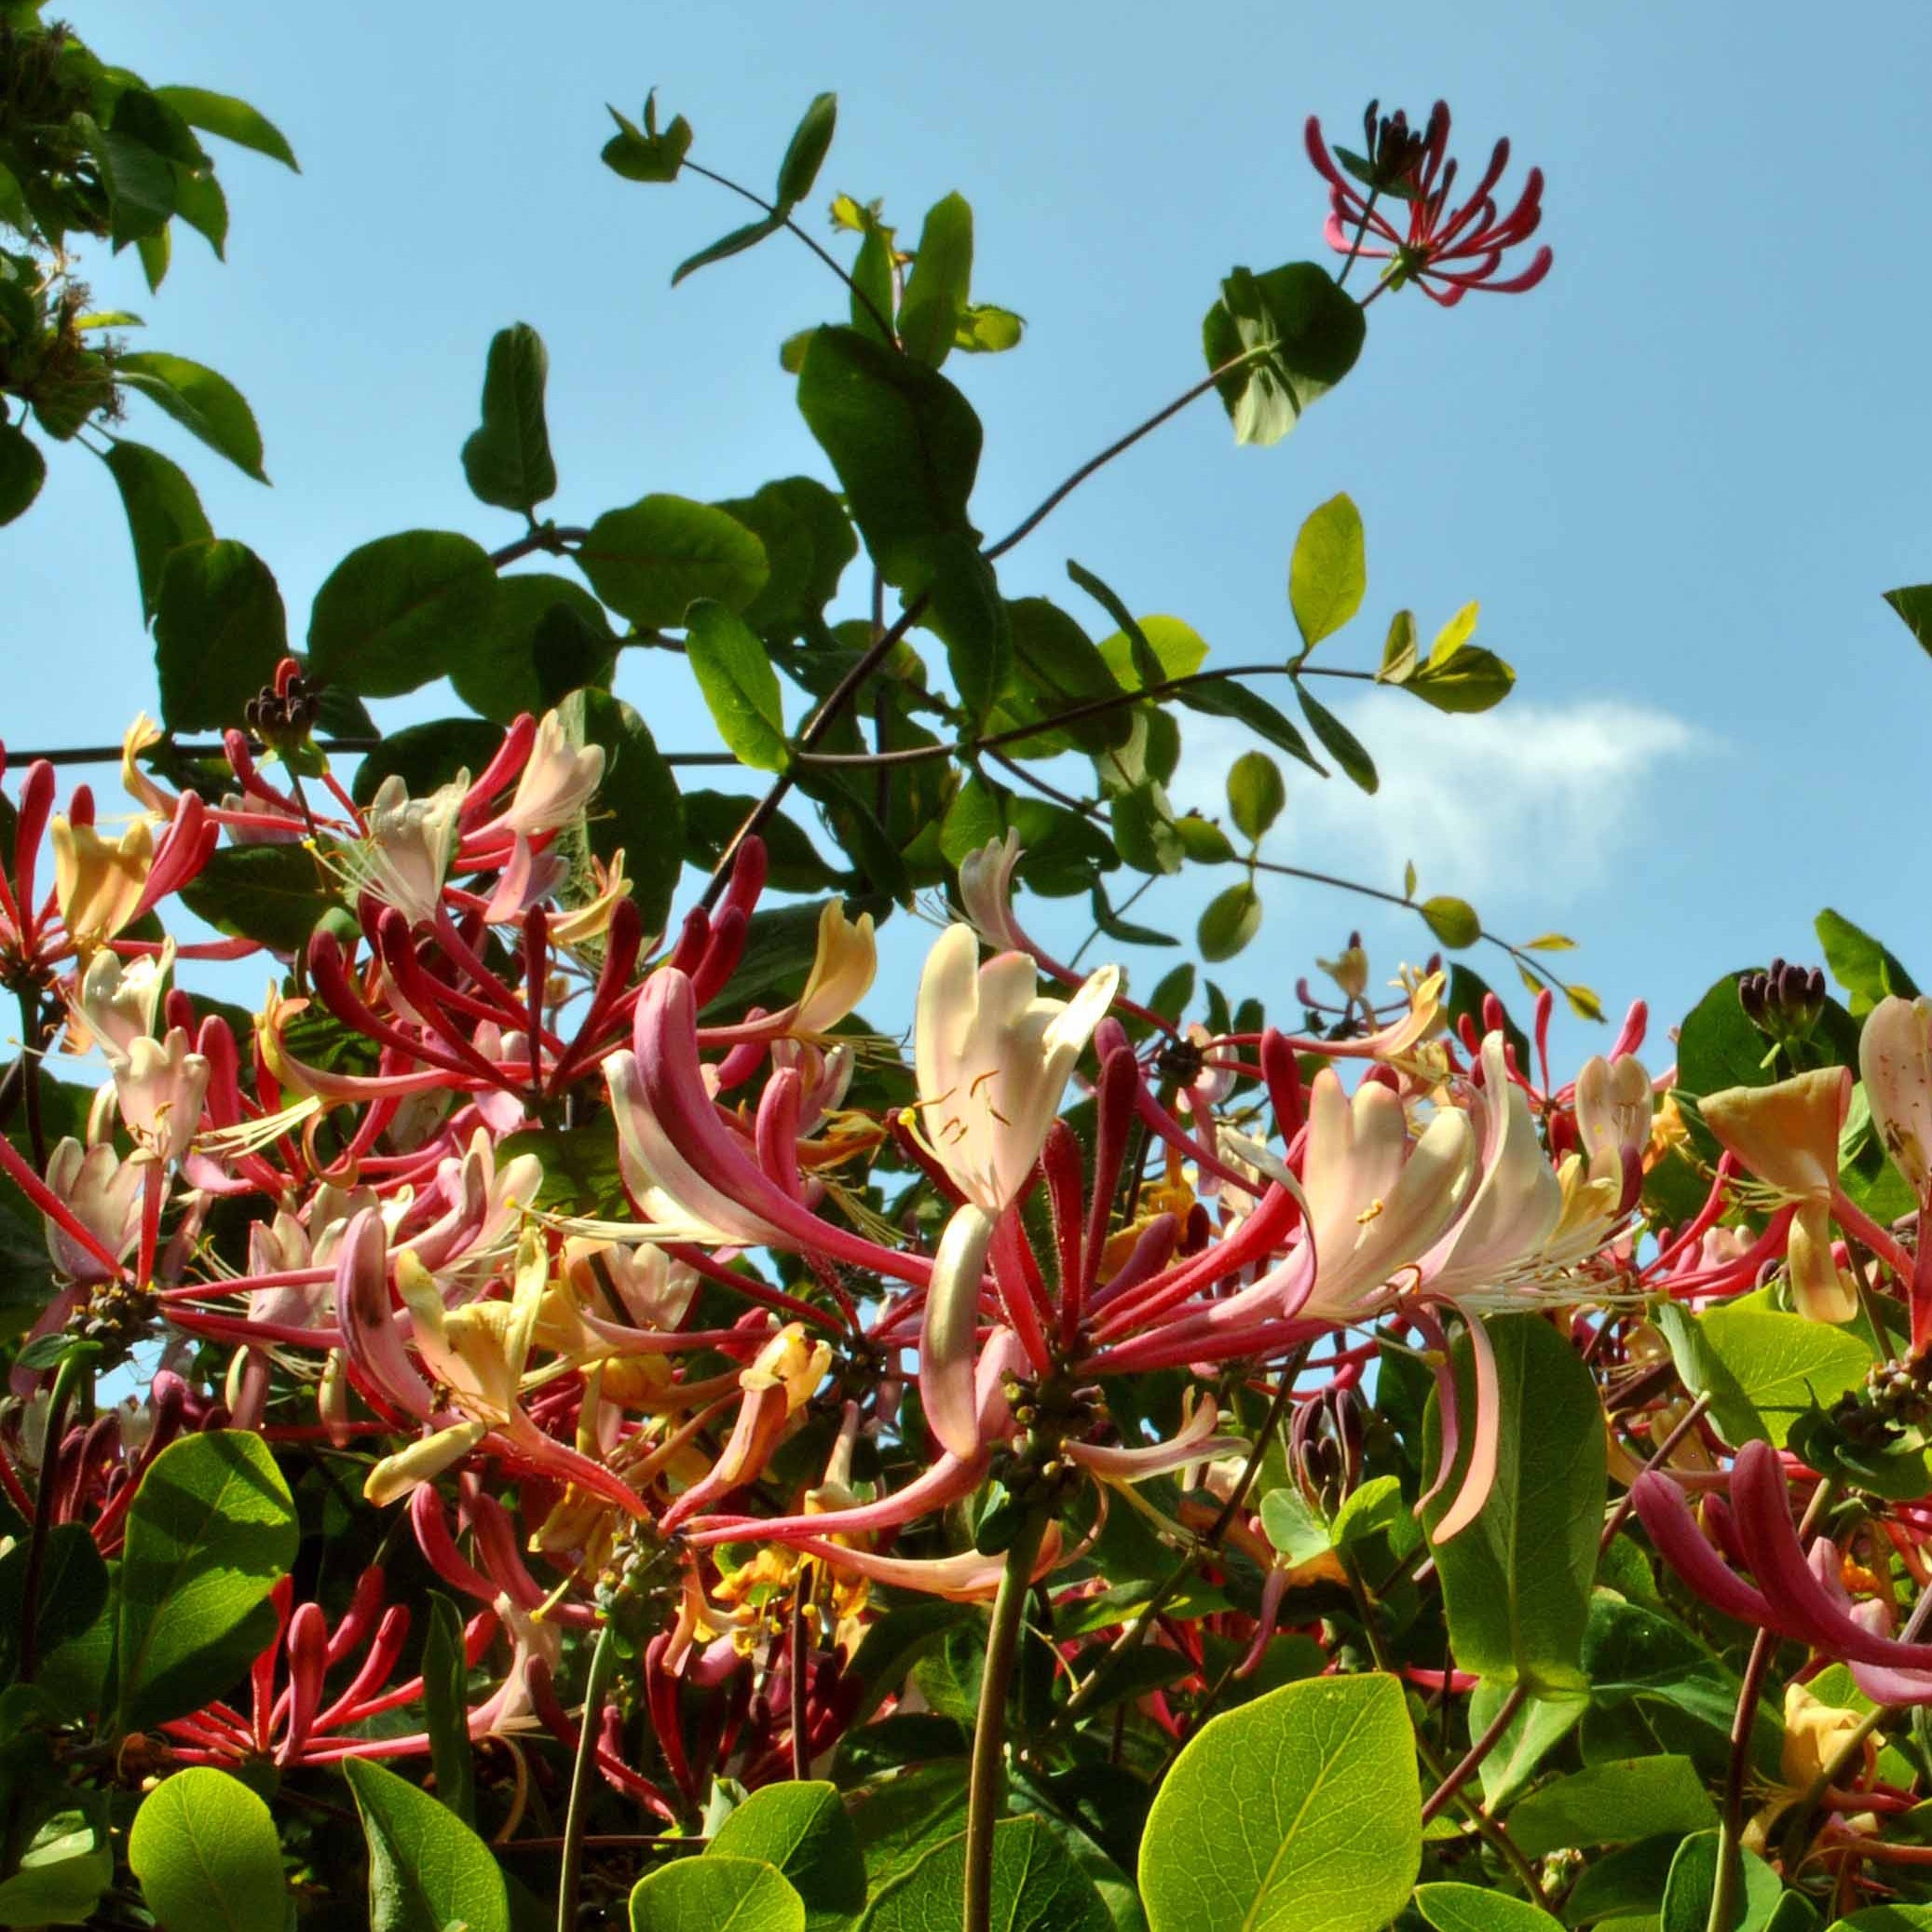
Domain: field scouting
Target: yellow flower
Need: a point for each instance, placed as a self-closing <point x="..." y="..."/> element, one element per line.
<point x="99" y="884"/>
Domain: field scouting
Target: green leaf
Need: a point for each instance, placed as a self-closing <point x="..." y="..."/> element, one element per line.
<point x="1452" y="1908"/>
<point x="428" y="1870"/>
<point x="805" y="154"/>
<point x="62" y="1874"/>
<point x="1635" y="1655"/>
<point x="271" y="893"/>
<point x="1303" y="333"/>
<point x="220" y="632"/>
<point x="446" y="1707"/>
<point x="1036" y="1888"/>
<point x="1144" y="830"/>
<point x="1540" y="1724"/>
<point x="154" y="251"/>
<point x="22" y="470"/>
<point x="1784" y="1362"/>
<point x="210" y="1531"/>
<point x="1256" y="793"/>
<point x="1692" y="1880"/>
<point x="1222" y="698"/>
<point x="644" y="154"/>
<point x="1328" y="574"/>
<point x="715" y="1895"/>
<point x="1474" y="679"/>
<point x="544" y="636"/>
<point x="1136" y="662"/>
<point x="937" y="289"/>
<point x="140" y="183"/>
<point x="740" y="687"/>
<point x="965" y="610"/>
<point x="198" y="200"/>
<point x="204" y="403"/>
<point x="1327" y="1833"/>
<point x="1913" y="603"/>
<point x="808" y="540"/>
<point x="904" y="442"/>
<point x="802" y="1832"/>
<point x="205" y="1850"/>
<point x="726" y="246"/>
<point x="508" y="460"/>
<point x="426" y="757"/>
<point x="1058" y="670"/>
<point x="1294" y="1526"/>
<point x="1868" y="971"/>
<point x="637" y="806"/>
<point x="1613" y="1804"/>
<point x="71" y="1595"/>
<point x="1231" y="919"/>
<point x="162" y="510"/>
<point x="399" y="612"/>
<point x="1895" y="1917"/>
<point x="985" y="329"/>
<point x="652" y="561"/>
<point x="1515" y="1581"/>
<point x="1338" y="741"/>
<point x="232" y="119"/>
<point x="1452" y="920"/>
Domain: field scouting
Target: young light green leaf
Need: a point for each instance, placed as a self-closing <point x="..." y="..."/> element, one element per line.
<point x="428" y="1870"/>
<point x="203" y="402"/>
<point x="1515" y="1581"/>
<point x="1327" y="1835"/>
<point x="1452" y="920"/>
<point x="210" y="1531"/>
<point x="1398" y="656"/>
<point x="205" y="1850"/>
<point x="1474" y="679"/>
<point x="651" y="561"/>
<point x="220" y="631"/>
<point x="508" y="460"/>
<point x="162" y="510"/>
<point x="1256" y="793"/>
<point x="1231" y="919"/>
<point x="399" y="612"/>
<point x="1783" y="1363"/>
<point x="986" y="330"/>
<point x="802" y="1832"/>
<point x="716" y="1895"/>
<point x="1328" y="574"/>
<point x="806" y="152"/>
<point x="937" y="289"/>
<point x="735" y="673"/>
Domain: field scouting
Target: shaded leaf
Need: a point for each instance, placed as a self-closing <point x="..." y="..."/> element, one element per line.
<point x="508" y="460"/>
<point x="204" y="403"/>
<point x="220" y="631"/>
<point x="651" y="561"/>
<point x="397" y="613"/>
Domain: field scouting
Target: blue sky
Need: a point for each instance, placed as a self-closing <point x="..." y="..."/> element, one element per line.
<point x="1678" y="476"/>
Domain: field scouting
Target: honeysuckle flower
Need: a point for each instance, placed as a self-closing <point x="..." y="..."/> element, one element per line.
<point x="1894" y="1061"/>
<point x="103" y="1193"/>
<point x="992" y="1060"/>
<point x="1446" y="252"/>
<point x="1797" y="1596"/>
<point x="100" y="885"/>
<point x="554" y="787"/>
<point x="1787" y="1135"/>
<point x="1816" y="1734"/>
<point x="404" y="856"/>
<point x="114" y="1002"/>
<point x="161" y="1089"/>
<point x="1615" y="1105"/>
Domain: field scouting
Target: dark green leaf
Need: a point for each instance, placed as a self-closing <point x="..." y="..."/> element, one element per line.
<point x="1144" y="830"/>
<point x="1304" y="334"/>
<point x="232" y="119"/>
<point x="205" y="1849"/>
<point x="652" y="561"/>
<point x="711" y="820"/>
<point x="937" y="289"/>
<point x="965" y="609"/>
<point x="63" y="1871"/>
<point x="73" y="1592"/>
<point x="726" y="246"/>
<point x="1231" y="919"/>
<point x="805" y="154"/>
<point x="272" y="893"/>
<point x="203" y="402"/>
<point x="198" y="200"/>
<point x="446" y="1705"/>
<point x="428" y="1871"/>
<point x="808" y="540"/>
<point x="1914" y="604"/>
<point x="637" y="808"/>
<point x="401" y="611"/>
<point x="1256" y="793"/>
<point x="645" y="154"/>
<point x="220" y="631"/>
<point x="508" y="460"/>
<point x="210" y="1531"/>
<point x="1222" y="698"/>
<point x="1516" y="1581"/>
<point x="1036" y="1888"/>
<point x="1058" y="670"/>
<point x="1338" y="741"/>
<point x="545" y="635"/>
<point x="1327" y="1835"/>
<point x="22" y="470"/>
<point x="426" y="757"/>
<point x="162" y="509"/>
<point x="740" y="687"/>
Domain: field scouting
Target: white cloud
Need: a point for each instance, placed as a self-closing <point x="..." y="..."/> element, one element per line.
<point x="1534" y="803"/>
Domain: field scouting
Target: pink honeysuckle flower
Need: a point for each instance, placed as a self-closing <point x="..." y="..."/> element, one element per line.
<point x="161" y="1088"/>
<point x="1797" y="1595"/>
<point x="403" y="859"/>
<point x="1615" y="1105"/>
<point x="1445" y="251"/>
<point x="555" y="784"/>
<point x="1787" y="1135"/>
<point x="992" y="1061"/>
<point x="965" y="1578"/>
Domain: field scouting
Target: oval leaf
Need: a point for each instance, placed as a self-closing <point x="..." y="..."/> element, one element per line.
<point x="400" y="611"/>
<point x="508" y="460"/>
<point x="428" y="1870"/>
<point x="803" y="1832"/>
<point x="203" y="402"/>
<point x="1328" y="1834"/>
<point x="1478" y="1908"/>
<point x="1256" y="793"/>
<point x="205" y="1850"/>
<point x="637" y="807"/>
<point x="805" y="154"/>
<point x="709" y="1894"/>
<point x="1233" y="917"/>
<point x="22" y="470"/>
<point x="652" y="561"/>
<point x="1452" y="920"/>
<point x="162" y="510"/>
<point x="220" y="631"/>
<point x="741" y="687"/>
<point x="1329" y="573"/>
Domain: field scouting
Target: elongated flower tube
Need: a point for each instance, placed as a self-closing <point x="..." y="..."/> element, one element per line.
<point x="992" y="1060"/>
<point x="1894" y="1061"/>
